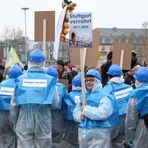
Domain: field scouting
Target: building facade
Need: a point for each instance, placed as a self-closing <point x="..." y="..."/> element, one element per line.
<point x="108" y="37"/>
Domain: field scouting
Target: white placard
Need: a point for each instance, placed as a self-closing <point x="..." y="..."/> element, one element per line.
<point x="34" y="82"/>
<point x="6" y="91"/>
<point x="80" y="30"/>
<point x="77" y="99"/>
<point x="122" y="93"/>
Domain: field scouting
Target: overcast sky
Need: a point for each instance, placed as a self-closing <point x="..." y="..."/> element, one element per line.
<point x="106" y="13"/>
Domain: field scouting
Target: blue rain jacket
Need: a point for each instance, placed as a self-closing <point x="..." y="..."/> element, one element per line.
<point x="35" y="87"/>
<point x="6" y="92"/>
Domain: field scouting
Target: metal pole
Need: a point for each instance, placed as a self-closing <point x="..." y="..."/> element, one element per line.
<point x="25" y="33"/>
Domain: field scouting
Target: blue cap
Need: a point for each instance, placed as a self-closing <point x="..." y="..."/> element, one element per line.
<point x="93" y="73"/>
<point x="76" y="81"/>
<point x="115" y="70"/>
<point x="142" y="74"/>
<point x="52" y="72"/>
<point x="36" y="56"/>
<point x="14" y="72"/>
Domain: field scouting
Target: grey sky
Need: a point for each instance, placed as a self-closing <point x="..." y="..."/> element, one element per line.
<point x="106" y="13"/>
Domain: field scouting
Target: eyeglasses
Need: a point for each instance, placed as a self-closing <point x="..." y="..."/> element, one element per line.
<point x="89" y="80"/>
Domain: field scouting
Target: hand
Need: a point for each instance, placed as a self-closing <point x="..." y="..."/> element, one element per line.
<point x="128" y="144"/>
<point x="82" y="117"/>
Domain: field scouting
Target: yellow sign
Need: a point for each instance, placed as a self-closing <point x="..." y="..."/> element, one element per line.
<point x="102" y="55"/>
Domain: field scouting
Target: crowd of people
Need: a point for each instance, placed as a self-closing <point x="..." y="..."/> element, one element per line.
<point x="37" y="111"/>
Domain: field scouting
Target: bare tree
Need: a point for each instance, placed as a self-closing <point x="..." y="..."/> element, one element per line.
<point x="13" y="37"/>
<point x="145" y="26"/>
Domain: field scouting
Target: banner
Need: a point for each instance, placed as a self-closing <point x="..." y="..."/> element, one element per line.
<point x="58" y="33"/>
<point x="12" y="58"/>
<point x="80" y="30"/>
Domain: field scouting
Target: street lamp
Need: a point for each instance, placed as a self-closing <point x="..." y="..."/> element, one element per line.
<point x="25" y="9"/>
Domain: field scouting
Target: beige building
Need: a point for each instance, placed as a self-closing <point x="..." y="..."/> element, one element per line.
<point x="108" y="36"/>
<point x="137" y="37"/>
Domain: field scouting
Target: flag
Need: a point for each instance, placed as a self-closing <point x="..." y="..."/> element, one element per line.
<point x="58" y="33"/>
<point x="12" y="58"/>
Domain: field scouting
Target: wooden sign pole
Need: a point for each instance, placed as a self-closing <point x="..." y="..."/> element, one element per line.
<point x="82" y="60"/>
<point x="121" y="59"/>
<point x="44" y="37"/>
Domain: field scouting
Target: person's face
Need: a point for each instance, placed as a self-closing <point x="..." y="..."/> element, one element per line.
<point x="3" y="62"/>
<point x="58" y="67"/>
<point x="89" y="82"/>
<point x="78" y="68"/>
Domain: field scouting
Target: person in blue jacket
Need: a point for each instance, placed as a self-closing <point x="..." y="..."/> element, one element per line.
<point x="34" y="94"/>
<point x="136" y="123"/>
<point x="58" y="110"/>
<point x="7" y="134"/>
<point x="119" y="91"/>
<point x="71" y="129"/>
<point x="98" y="116"/>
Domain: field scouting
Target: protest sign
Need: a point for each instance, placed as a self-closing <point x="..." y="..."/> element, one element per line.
<point x="80" y="30"/>
<point x="122" y="55"/>
<point x="102" y="56"/>
<point x="91" y="53"/>
<point x="49" y="16"/>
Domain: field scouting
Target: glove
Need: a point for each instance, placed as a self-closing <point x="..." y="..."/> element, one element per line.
<point x="128" y="144"/>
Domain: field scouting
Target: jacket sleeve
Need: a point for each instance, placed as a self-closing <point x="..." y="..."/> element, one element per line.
<point x="14" y="110"/>
<point x="77" y="112"/>
<point x="131" y="119"/>
<point x="103" y="111"/>
<point x="56" y="98"/>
